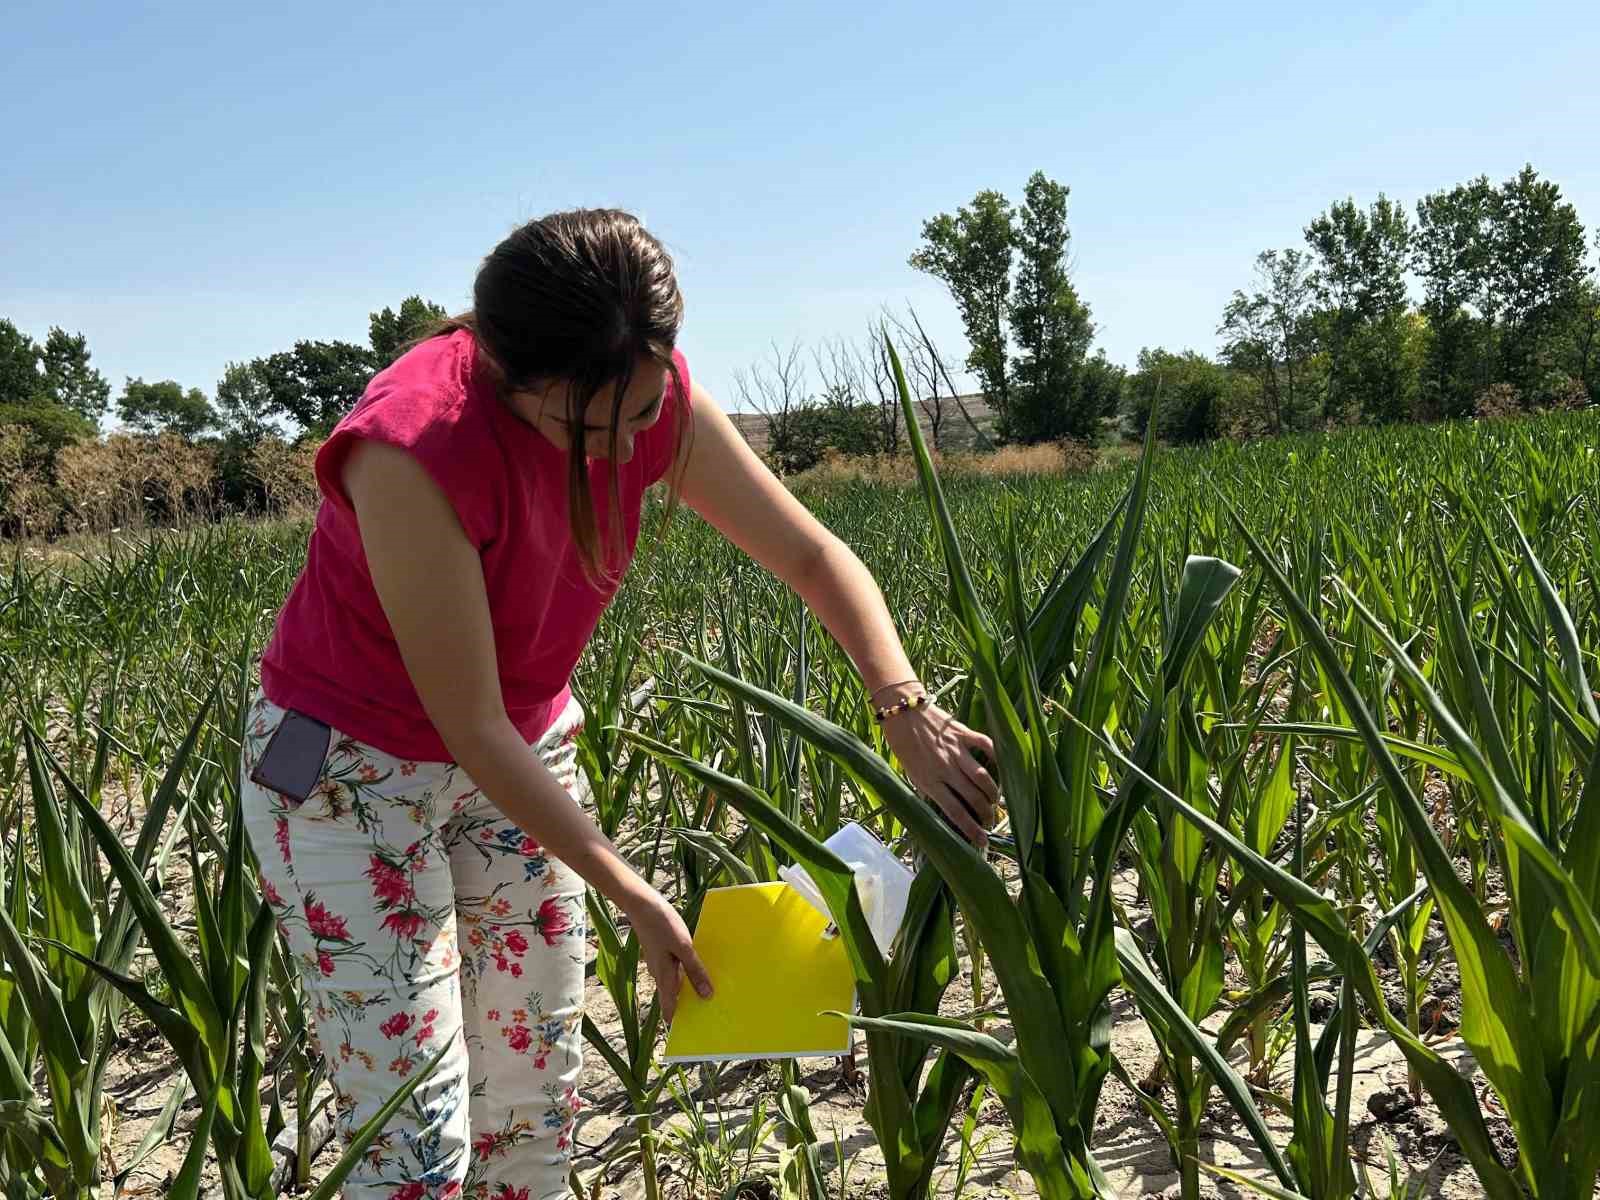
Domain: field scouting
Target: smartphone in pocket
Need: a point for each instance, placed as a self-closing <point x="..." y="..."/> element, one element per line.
<point x="293" y="760"/>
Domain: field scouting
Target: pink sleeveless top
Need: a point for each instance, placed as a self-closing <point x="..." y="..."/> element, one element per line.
<point x="333" y="655"/>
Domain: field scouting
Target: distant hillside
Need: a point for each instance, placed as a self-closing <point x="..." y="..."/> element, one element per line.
<point x="954" y="432"/>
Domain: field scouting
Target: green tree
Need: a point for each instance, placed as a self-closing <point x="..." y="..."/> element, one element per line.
<point x="1452" y="251"/>
<point x="971" y="252"/>
<point x="21" y="381"/>
<point x="316" y="383"/>
<point x="1580" y="353"/>
<point x="1535" y="272"/>
<point x="165" y="407"/>
<point x="1269" y="334"/>
<point x="1362" y="257"/>
<point x="26" y="399"/>
<point x="1192" y="396"/>
<point x="1098" y="394"/>
<point x="391" y="332"/>
<point x="1051" y="393"/>
<point x="244" y="403"/>
<point x="69" y="380"/>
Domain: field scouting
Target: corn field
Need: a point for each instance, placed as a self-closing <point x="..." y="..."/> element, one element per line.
<point x="1300" y="752"/>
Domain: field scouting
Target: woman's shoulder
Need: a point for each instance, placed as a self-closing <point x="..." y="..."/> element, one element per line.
<point x="426" y="386"/>
<point x="424" y="403"/>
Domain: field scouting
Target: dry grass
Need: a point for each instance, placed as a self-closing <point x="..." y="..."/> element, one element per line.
<point x="132" y="481"/>
<point x="286" y="473"/>
<point x="1057" y="458"/>
<point x="122" y="480"/>
<point x="27" y="501"/>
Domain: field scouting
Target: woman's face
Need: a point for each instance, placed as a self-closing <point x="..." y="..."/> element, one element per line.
<point x="546" y="409"/>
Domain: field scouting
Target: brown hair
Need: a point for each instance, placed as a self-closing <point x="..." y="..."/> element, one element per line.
<point x="581" y="296"/>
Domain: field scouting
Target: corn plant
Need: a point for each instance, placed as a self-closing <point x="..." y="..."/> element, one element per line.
<point x="216" y="1026"/>
<point x="1191" y="917"/>
<point x="907" y="1109"/>
<point x="1532" y="1031"/>
<point x="617" y="969"/>
<point x="1053" y="948"/>
<point x="52" y="1007"/>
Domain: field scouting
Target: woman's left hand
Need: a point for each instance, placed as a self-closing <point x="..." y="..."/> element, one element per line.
<point x="938" y="754"/>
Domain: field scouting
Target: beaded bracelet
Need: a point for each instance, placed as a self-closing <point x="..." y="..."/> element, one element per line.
<point x="896" y="684"/>
<point x="889" y="710"/>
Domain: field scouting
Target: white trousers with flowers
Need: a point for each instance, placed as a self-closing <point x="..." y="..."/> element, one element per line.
<point x="422" y="918"/>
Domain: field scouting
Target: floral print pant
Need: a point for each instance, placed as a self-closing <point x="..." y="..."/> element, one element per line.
<point x="423" y="918"/>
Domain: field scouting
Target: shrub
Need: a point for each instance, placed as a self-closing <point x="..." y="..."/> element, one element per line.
<point x="28" y="504"/>
<point x="1563" y="393"/>
<point x="1497" y="401"/>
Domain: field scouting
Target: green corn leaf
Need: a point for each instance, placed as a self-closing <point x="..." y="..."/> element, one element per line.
<point x="794" y="1106"/>
<point x="187" y="1185"/>
<point x="622" y="1070"/>
<point x="255" y="1154"/>
<point x="1433" y="756"/>
<point x="173" y="1025"/>
<point x="1154" y="998"/>
<point x="1038" y="1146"/>
<point x="1327" y="1043"/>
<point x="1263" y="1187"/>
<point x="1497" y="1021"/>
<point x="980" y="892"/>
<point x="1455" y="638"/>
<point x="232" y="918"/>
<point x="160" y="1129"/>
<point x="27" y="1119"/>
<point x="1013" y="748"/>
<point x="924" y="962"/>
<point x="68" y="913"/>
<point x="719" y="852"/>
<point x="1318" y="1159"/>
<point x="1583" y="841"/>
<point x="1264" y="1002"/>
<point x="189" y="987"/>
<point x="936" y="1106"/>
<point x="1053" y="626"/>
<point x="617" y="968"/>
<point x="116" y="945"/>
<point x="1205" y="584"/>
<point x="1454" y="1095"/>
<point x="1560" y="619"/>
<point x="1091" y="701"/>
<point x="832" y="875"/>
<point x="65" y="1067"/>
<point x="1267" y="815"/>
<point x="1519" y="831"/>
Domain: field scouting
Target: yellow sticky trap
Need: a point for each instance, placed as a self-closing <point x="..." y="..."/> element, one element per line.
<point x="774" y="970"/>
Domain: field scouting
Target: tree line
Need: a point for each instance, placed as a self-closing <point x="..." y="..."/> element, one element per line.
<point x="244" y="449"/>
<point x="1482" y="304"/>
<point x="1479" y="301"/>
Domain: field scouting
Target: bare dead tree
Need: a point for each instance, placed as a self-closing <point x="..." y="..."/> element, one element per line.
<point x="775" y="387"/>
<point x="922" y="375"/>
<point x="838" y="367"/>
<point x="885" y="396"/>
<point x="856" y="377"/>
<point x="939" y="371"/>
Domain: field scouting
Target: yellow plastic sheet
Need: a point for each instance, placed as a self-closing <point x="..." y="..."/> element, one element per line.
<point x="774" y="970"/>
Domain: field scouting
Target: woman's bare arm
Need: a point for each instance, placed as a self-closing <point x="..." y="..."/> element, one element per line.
<point x="727" y="484"/>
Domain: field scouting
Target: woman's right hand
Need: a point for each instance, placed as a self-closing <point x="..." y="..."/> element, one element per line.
<point x="667" y="948"/>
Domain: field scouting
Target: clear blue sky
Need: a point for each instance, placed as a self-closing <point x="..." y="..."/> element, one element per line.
<point x="190" y="184"/>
